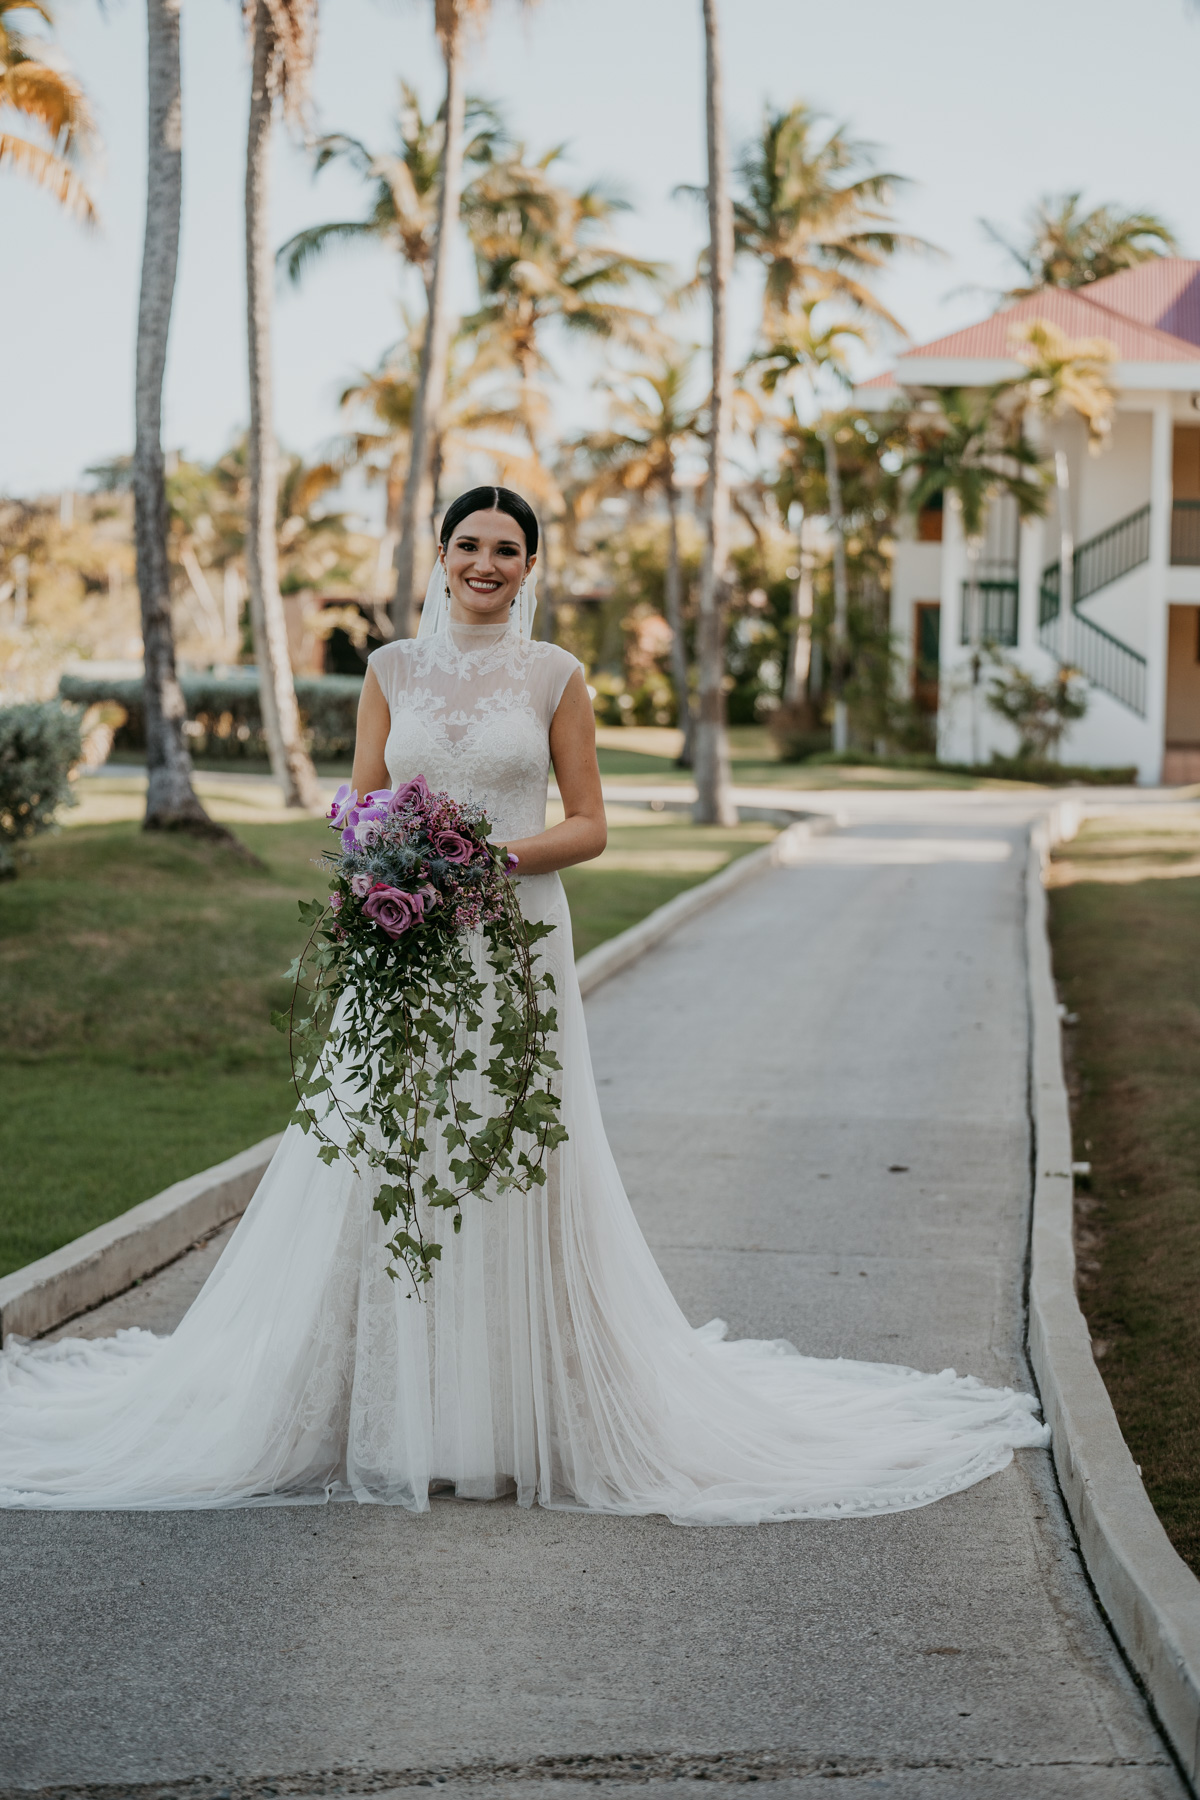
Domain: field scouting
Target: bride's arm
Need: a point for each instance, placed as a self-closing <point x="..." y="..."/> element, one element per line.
<point x="583" y="833"/>
<point x="370" y="738"/>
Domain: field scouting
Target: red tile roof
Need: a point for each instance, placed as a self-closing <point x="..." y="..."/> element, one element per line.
<point x="1164" y="293"/>
<point x="1149" y="314"/>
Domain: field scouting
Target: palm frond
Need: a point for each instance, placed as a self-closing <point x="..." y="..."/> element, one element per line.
<point x="50" y="172"/>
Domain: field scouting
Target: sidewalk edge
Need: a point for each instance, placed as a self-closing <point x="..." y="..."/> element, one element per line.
<point x="1150" y="1595"/>
<point x="112" y="1258"/>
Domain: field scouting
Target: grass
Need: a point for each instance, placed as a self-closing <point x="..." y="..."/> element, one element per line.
<point x="646" y="754"/>
<point x="1125" y="920"/>
<point x="137" y="974"/>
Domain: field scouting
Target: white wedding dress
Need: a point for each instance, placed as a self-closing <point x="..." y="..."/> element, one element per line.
<point x="548" y="1358"/>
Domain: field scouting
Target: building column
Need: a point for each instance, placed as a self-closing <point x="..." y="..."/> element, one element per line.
<point x="1161" y="497"/>
<point x="1029" y="584"/>
<point x="949" y="648"/>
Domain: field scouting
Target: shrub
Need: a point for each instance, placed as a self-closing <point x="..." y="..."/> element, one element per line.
<point x="40" y="743"/>
<point x="224" y="716"/>
<point x="1039" y="713"/>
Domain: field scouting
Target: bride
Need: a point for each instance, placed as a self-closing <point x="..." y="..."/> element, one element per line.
<point x="548" y="1357"/>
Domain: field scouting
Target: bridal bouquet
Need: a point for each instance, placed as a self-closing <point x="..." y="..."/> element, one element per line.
<point x="388" y="989"/>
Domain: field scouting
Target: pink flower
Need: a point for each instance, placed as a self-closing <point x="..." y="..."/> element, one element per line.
<point x="360" y="885"/>
<point x="343" y="801"/>
<point x="412" y="793"/>
<point x="335" y="903"/>
<point x="392" y="909"/>
<point x="454" y="846"/>
<point x="511" y="861"/>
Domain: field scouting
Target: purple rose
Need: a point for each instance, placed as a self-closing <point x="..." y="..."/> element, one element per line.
<point x="511" y="860"/>
<point x="392" y="909"/>
<point x="454" y="846"/>
<point x="360" y="885"/>
<point x="411" y="793"/>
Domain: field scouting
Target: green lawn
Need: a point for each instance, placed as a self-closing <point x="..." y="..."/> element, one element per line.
<point x="1125" y="919"/>
<point x="645" y="754"/>
<point x="137" y="974"/>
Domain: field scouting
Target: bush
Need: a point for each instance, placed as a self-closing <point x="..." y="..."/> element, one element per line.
<point x="40" y="743"/>
<point x="224" y="716"/>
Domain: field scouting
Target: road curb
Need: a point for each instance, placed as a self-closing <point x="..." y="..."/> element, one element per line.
<point x="105" y="1262"/>
<point x="108" y="1261"/>
<point x="1150" y="1595"/>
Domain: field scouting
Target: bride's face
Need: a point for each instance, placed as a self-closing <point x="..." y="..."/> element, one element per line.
<point x="485" y="563"/>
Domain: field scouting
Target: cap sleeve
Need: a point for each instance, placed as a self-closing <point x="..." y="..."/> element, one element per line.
<point x="388" y="663"/>
<point x="562" y="666"/>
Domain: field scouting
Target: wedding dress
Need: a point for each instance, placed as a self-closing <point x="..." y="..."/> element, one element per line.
<point x="548" y="1357"/>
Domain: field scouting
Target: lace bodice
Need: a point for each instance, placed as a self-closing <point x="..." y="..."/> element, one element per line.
<point x="471" y="710"/>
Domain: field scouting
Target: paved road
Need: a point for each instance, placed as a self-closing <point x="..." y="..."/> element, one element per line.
<point x="817" y="1094"/>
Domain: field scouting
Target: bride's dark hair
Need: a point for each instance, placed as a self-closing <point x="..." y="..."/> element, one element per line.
<point x="492" y="499"/>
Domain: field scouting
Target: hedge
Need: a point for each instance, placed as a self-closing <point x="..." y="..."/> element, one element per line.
<point x="224" y="717"/>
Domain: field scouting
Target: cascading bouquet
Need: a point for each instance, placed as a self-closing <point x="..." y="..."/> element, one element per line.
<point x="387" y="993"/>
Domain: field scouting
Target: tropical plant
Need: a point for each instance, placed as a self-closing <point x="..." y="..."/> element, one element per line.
<point x="281" y="36"/>
<point x="1039" y="712"/>
<point x="1063" y="378"/>
<point x="50" y="99"/>
<point x="451" y="21"/>
<point x="714" y="799"/>
<point x="803" y="349"/>
<point x="652" y="417"/>
<point x="816" y="215"/>
<point x="541" y="264"/>
<point x="402" y="213"/>
<point x="975" y="449"/>
<point x="171" y="802"/>
<point x="1063" y="246"/>
<point x="40" y="744"/>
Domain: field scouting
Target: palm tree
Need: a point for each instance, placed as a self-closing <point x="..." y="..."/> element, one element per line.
<point x="1065" y="377"/>
<point x="403" y="209"/>
<point x="171" y="802"/>
<point x="802" y="348"/>
<point x="451" y="20"/>
<point x="281" y="33"/>
<point x="816" y="215"/>
<point x="1063" y="246"/>
<point x="651" y="420"/>
<point x="540" y="261"/>
<point x="52" y="99"/>
<point x="975" y="449"/>
<point x="714" y="800"/>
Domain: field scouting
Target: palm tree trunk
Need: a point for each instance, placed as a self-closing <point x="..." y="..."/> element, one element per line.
<point x="714" y="802"/>
<point x="435" y="351"/>
<point x="841" y="598"/>
<point x="674" y="600"/>
<point x="290" y="762"/>
<point x="171" y="802"/>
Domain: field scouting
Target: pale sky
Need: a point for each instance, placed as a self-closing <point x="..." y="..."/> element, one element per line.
<point x="985" y="107"/>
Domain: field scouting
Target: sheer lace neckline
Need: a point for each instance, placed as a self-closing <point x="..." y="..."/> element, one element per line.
<point x="467" y="637"/>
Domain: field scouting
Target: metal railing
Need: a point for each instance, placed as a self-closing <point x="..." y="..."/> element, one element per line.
<point x="997" y="603"/>
<point x="1101" y="560"/>
<point x="1185" y="533"/>
<point x="1103" y="659"/>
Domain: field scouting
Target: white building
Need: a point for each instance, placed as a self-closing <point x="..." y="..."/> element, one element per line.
<point x="1133" y="630"/>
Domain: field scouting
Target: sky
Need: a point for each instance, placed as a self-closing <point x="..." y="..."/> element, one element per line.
<point x="984" y="108"/>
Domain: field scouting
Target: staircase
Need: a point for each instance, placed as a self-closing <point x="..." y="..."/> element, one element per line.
<point x="1078" y="643"/>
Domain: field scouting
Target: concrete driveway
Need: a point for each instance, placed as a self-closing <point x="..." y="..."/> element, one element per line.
<point x="817" y="1094"/>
